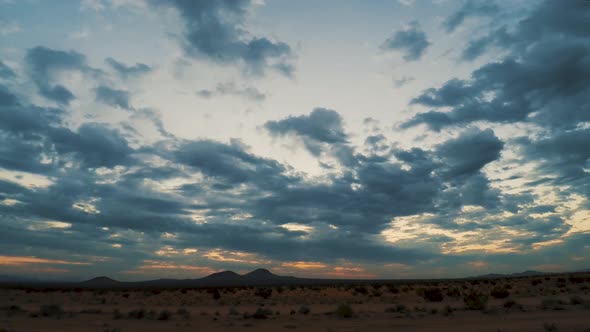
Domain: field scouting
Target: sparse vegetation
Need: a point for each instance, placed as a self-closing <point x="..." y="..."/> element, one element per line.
<point x="433" y="295"/>
<point x="550" y="327"/>
<point x="551" y="304"/>
<point x="183" y="313"/>
<point x="262" y="313"/>
<point x="304" y="310"/>
<point x="475" y="300"/>
<point x="264" y="293"/>
<point x="344" y="311"/>
<point x="164" y="315"/>
<point x="575" y="300"/>
<point x="51" y="310"/>
<point x="499" y="292"/>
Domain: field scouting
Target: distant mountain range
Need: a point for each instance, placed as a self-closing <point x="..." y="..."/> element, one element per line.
<point x="259" y="277"/>
<point x="529" y="273"/>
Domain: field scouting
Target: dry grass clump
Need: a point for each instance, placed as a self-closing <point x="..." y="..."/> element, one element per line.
<point x="475" y="300"/>
<point x="344" y="311"/>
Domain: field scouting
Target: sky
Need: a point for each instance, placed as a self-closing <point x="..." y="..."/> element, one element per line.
<point x="145" y="139"/>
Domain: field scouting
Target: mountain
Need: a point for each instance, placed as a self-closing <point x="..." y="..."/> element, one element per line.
<point x="260" y="273"/>
<point x="225" y="278"/>
<point x="100" y="282"/>
<point x="529" y="273"/>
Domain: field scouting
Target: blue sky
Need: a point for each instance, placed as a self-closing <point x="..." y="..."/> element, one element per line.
<point x="381" y="139"/>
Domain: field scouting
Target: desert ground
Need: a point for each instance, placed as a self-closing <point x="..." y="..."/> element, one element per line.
<point x="540" y="303"/>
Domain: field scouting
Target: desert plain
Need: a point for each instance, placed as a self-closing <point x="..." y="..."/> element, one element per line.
<point x="556" y="302"/>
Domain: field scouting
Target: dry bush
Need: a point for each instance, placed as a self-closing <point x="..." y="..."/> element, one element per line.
<point x="51" y="310"/>
<point x="499" y="292"/>
<point x="304" y="310"/>
<point x="551" y="304"/>
<point x="344" y="311"/>
<point x="433" y="295"/>
<point x="475" y="300"/>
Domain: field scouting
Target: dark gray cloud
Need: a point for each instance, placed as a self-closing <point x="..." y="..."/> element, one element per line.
<point x="321" y="132"/>
<point x="214" y="30"/>
<point x="230" y="89"/>
<point x="126" y="71"/>
<point x="566" y="153"/>
<point x="230" y="163"/>
<point x="44" y="63"/>
<point x="112" y="97"/>
<point x="542" y="80"/>
<point x="470" y="8"/>
<point x="6" y="72"/>
<point x="412" y="41"/>
<point x="469" y="153"/>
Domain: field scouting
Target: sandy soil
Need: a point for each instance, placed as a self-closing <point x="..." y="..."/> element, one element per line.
<point x="556" y="303"/>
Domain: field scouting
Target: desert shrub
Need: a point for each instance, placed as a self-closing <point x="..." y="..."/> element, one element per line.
<point x="398" y="308"/>
<point x="136" y="314"/>
<point x="125" y="295"/>
<point x="575" y="300"/>
<point x="233" y="311"/>
<point x="156" y="291"/>
<point x="361" y="290"/>
<point x="433" y="311"/>
<point x="280" y="289"/>
<point x="292" y="312"/>
<point x="433" y="295"/>
<point x="536" y="282"/>
<point x="475" y="300"/>
<point x="499" y="293"/>
<point x="111" y="329"/>
<point x="392" y="289"/>
<point x="262" y="313"/>
<point x="551" y="304"/>
<point x="344" y="311"/>
<point x="304" y="310"/>
<point x="550" y="327"/>
<point x="447" y="310"/>
<point x="164" y="315"/>
<point x="216" y="294"/>
<point x="51" y="310"/>
<point x="264" y="293"/>
<point x="91" y="311"/>
<point x="183" y="313"/>
<point x="117" y="314"/>
<point x="454" y="292"/>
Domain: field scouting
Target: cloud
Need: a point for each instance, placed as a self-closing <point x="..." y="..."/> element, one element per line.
<point x="230" y="89"/>
<point x="411" y="41"/>
<point x="112" y="97"/>
<point x="321" y="132"/>
<point x="469" y="153"/>
<point x="6" y="72"/>
<point x="126" y="71"/>
<point x="44" y="63"/>
<point x="215" y="30"/>
<point x="470" y="8"/>
<point x="528" y="84"/>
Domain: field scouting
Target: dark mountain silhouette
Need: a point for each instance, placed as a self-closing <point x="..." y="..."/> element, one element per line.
<point x="101" y="282"/>
<point x="258" y="277"/>
<point x="529" y="273"/>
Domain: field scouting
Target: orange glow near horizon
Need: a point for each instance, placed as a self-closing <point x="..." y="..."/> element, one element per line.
<point x="28" y="260"/>
<point x="304" y="265"/>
